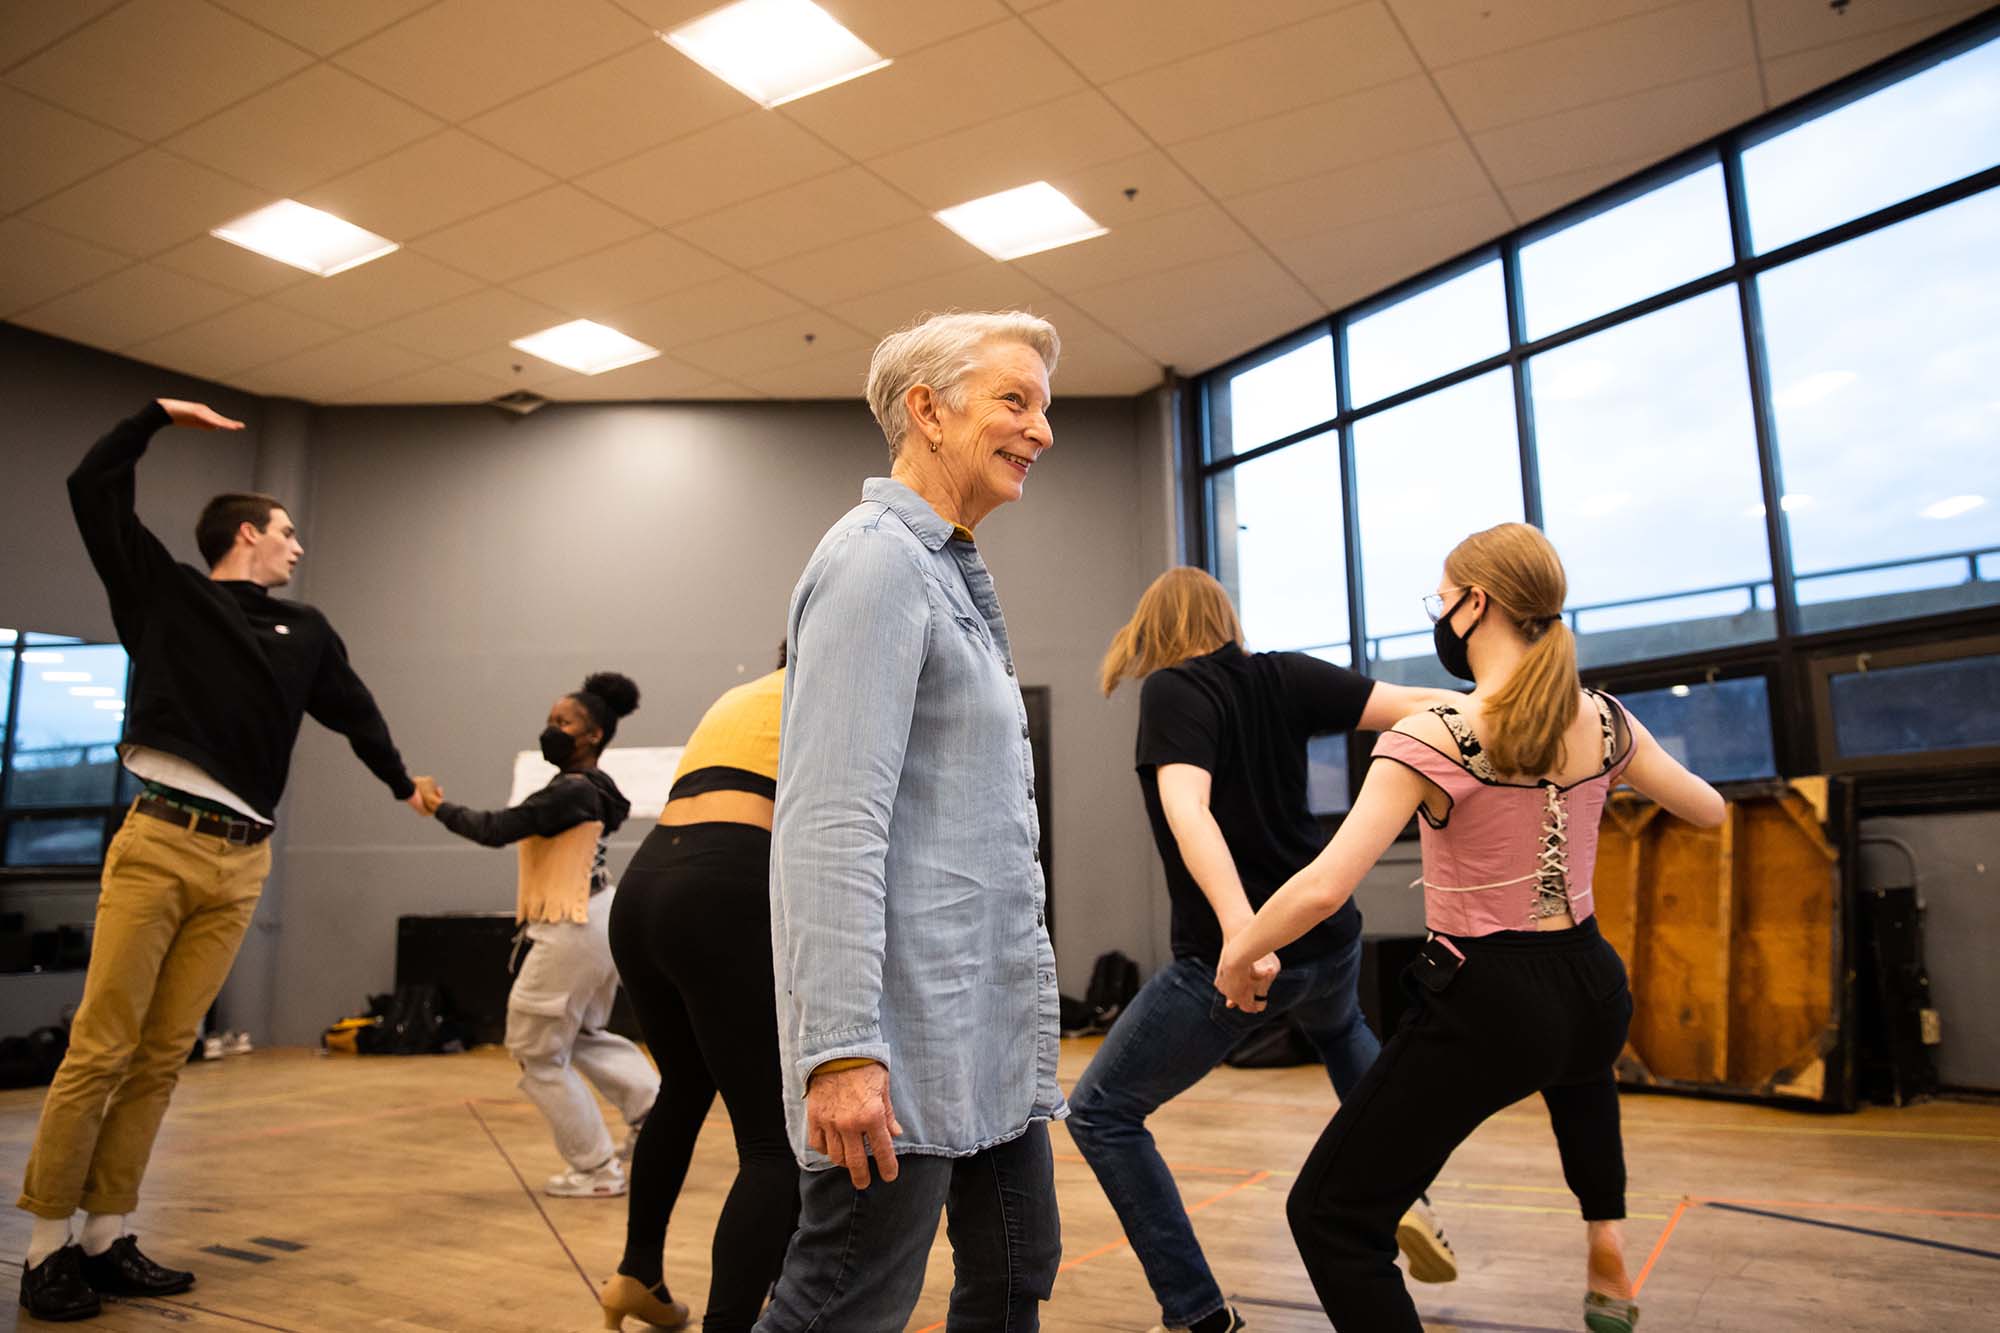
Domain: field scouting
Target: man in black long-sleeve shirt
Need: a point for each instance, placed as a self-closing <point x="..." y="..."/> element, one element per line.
<point x="222" y="674"/>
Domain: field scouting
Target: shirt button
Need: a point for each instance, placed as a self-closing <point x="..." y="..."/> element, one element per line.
<point x="1024" y="731"/>
<point x="1010" y="668"/>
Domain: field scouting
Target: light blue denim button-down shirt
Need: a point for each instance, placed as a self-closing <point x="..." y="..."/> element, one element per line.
<point x="906" y="884"/>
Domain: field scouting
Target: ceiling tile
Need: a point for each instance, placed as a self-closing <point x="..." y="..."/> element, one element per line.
<point x="462" y="57"/>
<point x="337" y="368"/>
<point x="460" y="327"/>
<point x="1648" y="126"/>
<point x="961" y="82"/>
<point x="1786" y="27"/>
<point x="610" y="111"/>
<point x="621" y="275"/>
<point x="767" y="347"/>
<point x="1296" y="66"/>
<point x="26" y="29"/>
<point x="1102" y="366"/>
<point x="147" y="203"/>
<point x="1795" y="74"/>
<point x="919" y="249"/>
<point x="433" y="384"/>
<point x="37" y="264"/>
<point x="252" y="334"/>
<point x="1374" y="123"/>
<point x="1110" y="39"/>
<point x="1441" y="174"/>
<point x="1130" y="305"/>
<point x="1122" y="192"/>
<point x="1192" y="342"/>
<point x="839" y="374"/>
<point x="1168" y="240"/>
<point x="128" y="307"/>
<point x="1599" y="64"/>
<point x="313" y="126"/>
<point x="897" y="28"/>
<point x="713" y="168"/>
<point x="156" y="66"/>
<point x="1531" y="200"/>
<point x="987" y="285"/>
<point x="703" y="311"/>
<point x="232" y="266"/>
<point x="662" y="377"/>
<point x="48" y="148"/>
<point x="430" y="184"/>
<point x="1080" y="130"/>
<point x="323" y="29"/>
<point x="512" y="369"/>
<point x="388" y="288"/>
<point x="1452" y="34"/>
<point x="806" y="216"/>
<point x="1346" y="264"/>
<point x="530" y="234"/>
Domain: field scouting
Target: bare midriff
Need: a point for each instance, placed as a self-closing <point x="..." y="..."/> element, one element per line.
<point x="719" y="807"/>
<point x="1560" y="921"/>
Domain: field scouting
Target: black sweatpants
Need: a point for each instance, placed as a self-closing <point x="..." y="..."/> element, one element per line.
<point x="691" y="933"/>
<point x="1526" y="1012"/>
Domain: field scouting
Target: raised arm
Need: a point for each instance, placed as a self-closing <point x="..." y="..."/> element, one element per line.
<point x="1389" y="798"/>
<point x="1657" y="775"/>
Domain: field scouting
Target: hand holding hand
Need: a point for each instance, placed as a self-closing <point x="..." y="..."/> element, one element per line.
<point x="1245" y="983"/>
<point x="844" y="1106"/>
<point x="427" y="797"/>
<point x="198" y="415"/>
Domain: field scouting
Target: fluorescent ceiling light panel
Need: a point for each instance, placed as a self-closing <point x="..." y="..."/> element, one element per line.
<point x="1023" y="221"/>
<point x="586" y="346"/>
<point x="109" y="705"/>
<point x="292" y="233"/>
<point x="40" y="655"/>
<point x="775" y="51"/>
<point x="1956" y="505"/>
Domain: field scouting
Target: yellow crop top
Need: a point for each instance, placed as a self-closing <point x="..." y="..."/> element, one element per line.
<point x="735" y="745"/>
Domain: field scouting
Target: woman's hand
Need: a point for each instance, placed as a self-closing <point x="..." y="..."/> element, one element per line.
<point x="1245" y="982"/>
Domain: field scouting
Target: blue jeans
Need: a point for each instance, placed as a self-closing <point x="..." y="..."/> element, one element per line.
<point x="857" y="1260"/>
<point x="1175" y="1030"/>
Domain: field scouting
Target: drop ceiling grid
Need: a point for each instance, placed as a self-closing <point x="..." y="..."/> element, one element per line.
<point x="221" y="135"/>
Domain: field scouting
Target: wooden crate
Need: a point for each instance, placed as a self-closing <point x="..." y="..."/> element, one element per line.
<point x="1735" y="943"/>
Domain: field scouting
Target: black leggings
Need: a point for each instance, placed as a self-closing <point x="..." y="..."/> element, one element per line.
<point x="691" y="933"/>
<point x="1526" y="1013"/>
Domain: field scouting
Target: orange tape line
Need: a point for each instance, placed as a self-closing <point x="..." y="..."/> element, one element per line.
<point x="1659" y="1246"/>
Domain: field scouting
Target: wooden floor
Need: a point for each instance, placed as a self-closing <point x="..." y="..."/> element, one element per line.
<point x="348" y="1194"/>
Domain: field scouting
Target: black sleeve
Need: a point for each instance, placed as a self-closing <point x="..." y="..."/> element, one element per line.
<point x="563" y="804"/>
<point x="1324" y="698"/>
<point x="102" y="490"/>
<point x="340" y="702"/>
<point x="1179" y="723"/>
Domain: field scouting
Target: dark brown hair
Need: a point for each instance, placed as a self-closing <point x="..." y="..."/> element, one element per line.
<point x="215" y="530"/>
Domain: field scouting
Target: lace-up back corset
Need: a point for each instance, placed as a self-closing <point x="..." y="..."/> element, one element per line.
<point x="1508" y="854"/>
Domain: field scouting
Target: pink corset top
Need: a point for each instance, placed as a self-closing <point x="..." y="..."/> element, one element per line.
<point x="1507" y="854"/>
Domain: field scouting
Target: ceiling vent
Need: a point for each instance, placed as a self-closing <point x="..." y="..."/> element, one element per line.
<point x="520" y="402"/>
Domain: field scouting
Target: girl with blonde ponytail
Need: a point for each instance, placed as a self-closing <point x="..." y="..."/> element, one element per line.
<point x="1518" y="992"/>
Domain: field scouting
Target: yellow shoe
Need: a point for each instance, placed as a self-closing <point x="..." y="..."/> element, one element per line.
<point x="623" y="1296"/>
<point x="1422" y="1242"/>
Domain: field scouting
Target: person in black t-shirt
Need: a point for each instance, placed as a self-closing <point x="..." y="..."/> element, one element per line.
<point x="1222" y="766"/>
<point x="222" y="675"/>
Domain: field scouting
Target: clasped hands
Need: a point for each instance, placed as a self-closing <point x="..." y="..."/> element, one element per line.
<point x="1245" y="982"/>
<point x="426" y="798"/>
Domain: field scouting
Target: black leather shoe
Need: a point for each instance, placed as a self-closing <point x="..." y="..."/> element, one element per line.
<point x="123" y="1271"/>
<point x="55" y="1289"/>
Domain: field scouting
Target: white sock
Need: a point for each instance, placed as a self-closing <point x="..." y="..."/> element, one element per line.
<point x="49" y="1235"/>
<point x="100" y="1230"/>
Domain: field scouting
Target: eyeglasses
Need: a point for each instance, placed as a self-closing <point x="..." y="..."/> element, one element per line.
<point x="1434" y="605"/>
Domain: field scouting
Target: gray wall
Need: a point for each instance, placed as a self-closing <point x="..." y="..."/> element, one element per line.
<point x="477" y="565"/>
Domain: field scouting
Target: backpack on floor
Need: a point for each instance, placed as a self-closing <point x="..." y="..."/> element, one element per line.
<point x="1114" y="980"/>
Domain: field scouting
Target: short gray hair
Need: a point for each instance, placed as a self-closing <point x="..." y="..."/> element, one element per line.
<point x="941" y="350"/>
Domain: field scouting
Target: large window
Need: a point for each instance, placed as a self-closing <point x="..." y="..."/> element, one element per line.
<point x="60" y="725"/>
<point x="1750" y="394"/>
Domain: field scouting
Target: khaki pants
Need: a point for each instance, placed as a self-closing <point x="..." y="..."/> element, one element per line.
<point x="171" y="911"/>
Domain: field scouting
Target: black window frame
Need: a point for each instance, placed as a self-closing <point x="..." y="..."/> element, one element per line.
<point x="110" y="812"/>
<point x="1787" y="660"/>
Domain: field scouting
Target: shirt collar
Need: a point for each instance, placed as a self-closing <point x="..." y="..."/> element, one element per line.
<point x="931" y="527"/>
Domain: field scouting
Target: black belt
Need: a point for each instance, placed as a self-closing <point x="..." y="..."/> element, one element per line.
<point x="243" y="832"/>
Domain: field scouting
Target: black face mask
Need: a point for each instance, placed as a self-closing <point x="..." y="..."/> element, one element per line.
<point x="1451" y="644"/>
<point x="558" y="746"/>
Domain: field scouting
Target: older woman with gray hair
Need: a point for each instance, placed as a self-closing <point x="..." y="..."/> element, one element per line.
<point x="916" y="987"/>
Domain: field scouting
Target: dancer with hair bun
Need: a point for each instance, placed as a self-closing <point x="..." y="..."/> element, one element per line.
<point x="1516" y="991"/>
<point x="566" y="980"/>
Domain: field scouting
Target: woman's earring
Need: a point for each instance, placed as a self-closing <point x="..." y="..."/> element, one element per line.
<point x="934" y="447"/>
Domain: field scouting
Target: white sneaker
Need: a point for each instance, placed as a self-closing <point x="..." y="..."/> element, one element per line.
<point x="1422" y="1242"/>
<point x="606" y="1182"/>
<point x="236" y="1043"/>
<point x="211" y="1047"/>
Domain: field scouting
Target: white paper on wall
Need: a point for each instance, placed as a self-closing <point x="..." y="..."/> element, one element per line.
<point x="645" y="773"/>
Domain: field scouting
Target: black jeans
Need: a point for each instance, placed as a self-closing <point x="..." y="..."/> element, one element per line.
<point x="1526" y="1013"/>
<point x="691" y="933"/>
<point x="857" y="1264"/>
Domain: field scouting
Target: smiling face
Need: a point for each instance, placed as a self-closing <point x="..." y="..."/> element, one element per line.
<point x="990" y="439"/>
